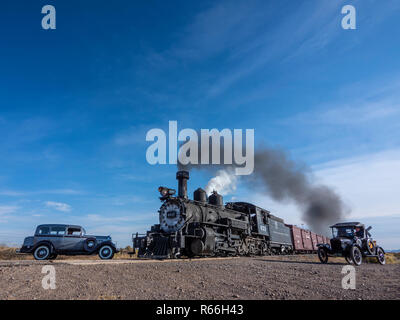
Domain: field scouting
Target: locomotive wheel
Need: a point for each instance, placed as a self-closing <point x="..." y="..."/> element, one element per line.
<point x="381" y="256"/>
<point x="322" y="255"/>
<point x="243" y="249"/>
<point x="356" y="256"/>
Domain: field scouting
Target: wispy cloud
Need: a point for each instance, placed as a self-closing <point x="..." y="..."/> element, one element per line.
<point x="16" y="193"/>
<point x="357" y="104"/>
<point x="59" y="206"/>
<point x="7" y="209"/>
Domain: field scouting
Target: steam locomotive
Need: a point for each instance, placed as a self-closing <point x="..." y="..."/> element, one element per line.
<point x="205" y="226"/>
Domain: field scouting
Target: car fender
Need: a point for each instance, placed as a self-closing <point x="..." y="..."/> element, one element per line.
<point x="324" y="245"/>
<point x="44" y="242"/>
<point x="381" y="248"/>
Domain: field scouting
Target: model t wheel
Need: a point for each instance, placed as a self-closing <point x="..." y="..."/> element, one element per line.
<point x="323" y="255"/>
<point x="381" y="256"/>
<point x="348" y="259"/>
<point x="106" y="252"/>
<point x="41" y="252"/>
<point x="356" y="256"/>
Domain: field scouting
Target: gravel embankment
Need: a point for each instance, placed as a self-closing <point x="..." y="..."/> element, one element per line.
<point x="286" y="277"/>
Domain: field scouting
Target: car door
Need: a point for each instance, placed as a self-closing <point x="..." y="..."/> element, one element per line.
<point x="57" y="236"/>
<point x="73" y="240"/>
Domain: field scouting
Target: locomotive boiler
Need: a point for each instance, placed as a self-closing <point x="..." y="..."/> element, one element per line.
<point x="205" y="226"/>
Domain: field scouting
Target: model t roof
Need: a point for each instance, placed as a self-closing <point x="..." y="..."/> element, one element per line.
<point x="347" y="224"/>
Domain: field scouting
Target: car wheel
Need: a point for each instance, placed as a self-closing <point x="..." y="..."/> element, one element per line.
<point x="42" y="252"/>
<point x="381" y="256"/>
<point x="348" y="259"/>
<point x="356" y="256"/>
<point x="323" y="255"/>
<point x="106" y="252"/>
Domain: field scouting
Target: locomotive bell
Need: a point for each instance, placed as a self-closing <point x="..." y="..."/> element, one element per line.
<point x="182" y="177"/>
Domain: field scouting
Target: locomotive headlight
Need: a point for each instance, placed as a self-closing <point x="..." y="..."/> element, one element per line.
<point x="166" y="191"/>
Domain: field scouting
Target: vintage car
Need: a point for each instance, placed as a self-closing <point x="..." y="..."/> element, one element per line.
<point x="353" y="242"/>
<point x="51" y="240"/>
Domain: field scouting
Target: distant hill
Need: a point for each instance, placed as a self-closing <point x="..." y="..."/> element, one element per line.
<point x="393" y="251"/>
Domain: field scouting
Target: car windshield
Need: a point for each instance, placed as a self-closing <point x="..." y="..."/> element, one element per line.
<point x="343" y="232"/>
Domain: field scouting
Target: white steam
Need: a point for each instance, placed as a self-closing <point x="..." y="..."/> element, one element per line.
<point x="224" y="182"/>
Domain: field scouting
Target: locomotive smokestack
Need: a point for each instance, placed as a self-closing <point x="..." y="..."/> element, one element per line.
<point x="182" y="177"/>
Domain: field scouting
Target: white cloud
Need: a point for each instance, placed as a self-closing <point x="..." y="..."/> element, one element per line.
<point x="369" y="183"/>
<point x="58" y="206"/>
<point x="14" y="193"/>
<point x="7" y="209"/>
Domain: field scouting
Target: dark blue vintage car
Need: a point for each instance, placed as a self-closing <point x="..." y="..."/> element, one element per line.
<point x="51" y="240"/>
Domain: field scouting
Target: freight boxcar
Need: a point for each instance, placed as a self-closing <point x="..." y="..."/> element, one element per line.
<point x="296" y="238"/>
<point x="314" y="241"/>
<point x="307" y="243"/>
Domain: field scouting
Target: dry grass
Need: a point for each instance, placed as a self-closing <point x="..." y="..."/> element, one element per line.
<point x="7" y="253"/>
<point x="391" y="258"/>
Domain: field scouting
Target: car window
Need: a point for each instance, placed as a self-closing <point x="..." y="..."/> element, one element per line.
<point x="74" y="232"/>
<point x="58" y="231"/>
<point x="44" y="230"/>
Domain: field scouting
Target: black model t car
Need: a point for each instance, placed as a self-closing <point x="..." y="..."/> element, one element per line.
<point x="353" y="242"/>
<point x="51" y="240"/>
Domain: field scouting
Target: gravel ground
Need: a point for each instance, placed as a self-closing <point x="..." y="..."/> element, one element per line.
<point x="278" y="277"/>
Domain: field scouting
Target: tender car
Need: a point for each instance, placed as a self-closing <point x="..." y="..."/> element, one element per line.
<point x="51" y="240"/>
<point x="353" y="242"/>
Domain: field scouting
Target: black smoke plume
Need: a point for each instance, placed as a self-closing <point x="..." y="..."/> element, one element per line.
<point x="283" y="179"/>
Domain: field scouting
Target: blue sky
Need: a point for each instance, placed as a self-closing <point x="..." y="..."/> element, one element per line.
<point x="76" y="103"/>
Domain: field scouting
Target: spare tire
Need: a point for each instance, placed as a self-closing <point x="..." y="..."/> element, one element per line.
<point x="90" y="244"/>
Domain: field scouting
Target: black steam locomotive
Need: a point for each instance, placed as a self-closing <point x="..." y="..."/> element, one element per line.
<point x="205" y="226"/>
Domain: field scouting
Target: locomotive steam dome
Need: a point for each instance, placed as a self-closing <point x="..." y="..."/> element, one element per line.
<point x="171" y="217"/>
